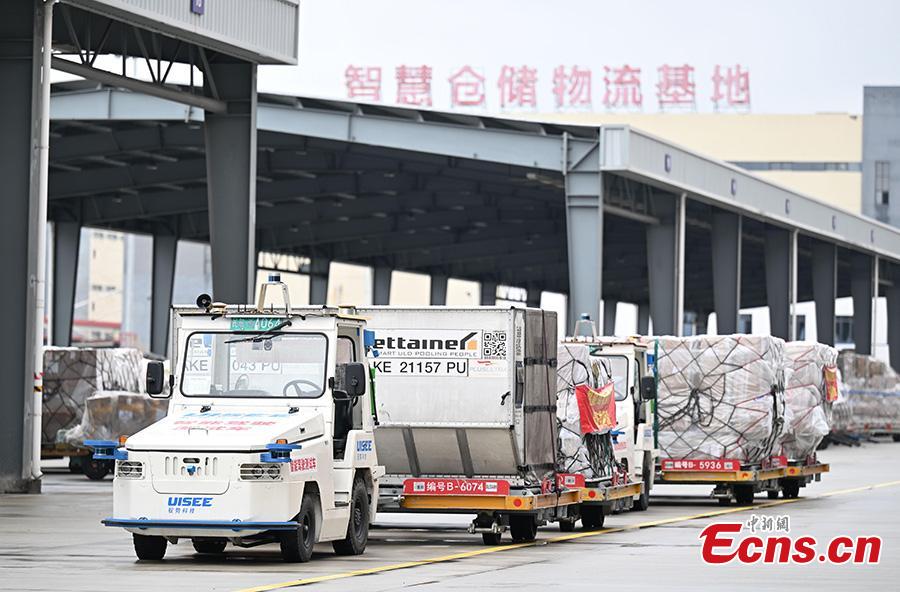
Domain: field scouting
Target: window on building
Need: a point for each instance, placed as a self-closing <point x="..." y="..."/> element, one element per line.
<point x="801" y="327"/>
<point x="843" y="329"/>
<point x="882" y="182"/>
<point x="745" y="324"/>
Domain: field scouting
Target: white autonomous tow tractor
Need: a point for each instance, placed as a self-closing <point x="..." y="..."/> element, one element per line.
<point x="269" y="436"/>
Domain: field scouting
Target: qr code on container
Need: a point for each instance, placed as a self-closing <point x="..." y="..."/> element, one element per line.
<point x="494" y="345"/>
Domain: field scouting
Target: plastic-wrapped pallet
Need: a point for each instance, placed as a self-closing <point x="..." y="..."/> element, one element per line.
<point x="805" y="396"/>
<point x="591" y="454"/>
<point x="871" y="399"/>
<point x="73" y="374"/>
<point x="720" y="396"/>
<point x="110" y="414"/>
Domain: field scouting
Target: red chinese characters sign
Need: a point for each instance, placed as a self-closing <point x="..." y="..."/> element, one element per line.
<point x="596" y="408"/>
<point x="522" y="87"/>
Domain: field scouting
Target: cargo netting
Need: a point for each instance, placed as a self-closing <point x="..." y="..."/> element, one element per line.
<point x="110" y="414"/>
<point x="721" y="396"/>
<point x="870" y="397"/>
<point x="590" y="454"/>
<point x="806" y="396"/>
<point x="72" y="374"/>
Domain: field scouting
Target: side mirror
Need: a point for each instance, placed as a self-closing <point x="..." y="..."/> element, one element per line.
<point x="648" y="388"/>
<point x="156" y="379"/>
<point x="350" y="378"/>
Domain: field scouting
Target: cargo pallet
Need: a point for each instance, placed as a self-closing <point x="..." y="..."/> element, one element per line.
<point x="733" y="481"/>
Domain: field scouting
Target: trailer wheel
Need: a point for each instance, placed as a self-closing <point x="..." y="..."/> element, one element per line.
<point x="149" y="548"/>
<point x="791" y="488"/>
<point x="724" y="501"/>
<point x="743" y="495"/>
<point x="523" y="528"/>
<point x="297" y="545"/>
<point x="772" y="494"/>
<point x="643" y="502"/>
<point x="896" y="437"/>
<point x="96" y="470"/>
<point x="76" y="465"/>
<point x="358" y="525"/>
<point x="209" y="546"/>
<point x="567" y="525"/>
<point x="491" y="538"/>
<point x="592" y="517"/>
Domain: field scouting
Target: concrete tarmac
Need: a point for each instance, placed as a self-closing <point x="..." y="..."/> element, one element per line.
<point x="54" y="541"/>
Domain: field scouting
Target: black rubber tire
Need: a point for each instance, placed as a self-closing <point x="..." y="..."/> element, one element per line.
<point x="896" y="437"/>
<point x="643" y="502"/>
<point x="96" y="470"/>
<point x="491" y="538"/>
<point x="592" y="517"/>
<point x="149" y="548"/>
<point x="567" y="526"/>
<point x="724" y="501"/>
<point x="523" y="528"/>
<point x="790" y="489"/>
<point x="354" y="543"/>
<point x="209" y="546"/>
<point x="297" y="546"/>
<point x="772" y="494"/>
<point x="743" y="495"/>
<point x="76" y="465"/>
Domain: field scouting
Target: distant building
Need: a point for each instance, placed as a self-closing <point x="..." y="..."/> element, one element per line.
<point x="881" y="154"/>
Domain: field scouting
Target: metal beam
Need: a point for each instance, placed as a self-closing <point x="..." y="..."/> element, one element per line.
<point x="488" y="293"/>
<point x="781" y="280"/>
<point x="892" y="294"/>
<point x="319" y="270"/>
<point x="165" y="248"/>
<point x="148" y="88"/>
<point x="584" y="234"/>
<point x="726" y="270"/>
<point x="609" y="317"/>
<point x="381" y="285"/>
<point x="862" y="285"/>
<point x="665" y="265"/>
<point x="66" y="242"/>
<point x="824" y="279"/>
<point x="231" y="175"/>
<point x="438" y="295"/>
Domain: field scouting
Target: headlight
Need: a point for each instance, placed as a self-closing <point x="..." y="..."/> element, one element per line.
<point x="260" y="472"/>
<point x="129" y="469"/>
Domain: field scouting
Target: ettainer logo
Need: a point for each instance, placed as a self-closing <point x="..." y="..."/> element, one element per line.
<point x="769" y="541"/>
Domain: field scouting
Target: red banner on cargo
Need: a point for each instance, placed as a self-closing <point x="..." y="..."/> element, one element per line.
<point x="597" y="408"/>
<point x="455" y="487"/>
<point x="700" y="465"/>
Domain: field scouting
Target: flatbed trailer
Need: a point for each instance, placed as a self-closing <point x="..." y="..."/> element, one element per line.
<point x="499" y="506"/>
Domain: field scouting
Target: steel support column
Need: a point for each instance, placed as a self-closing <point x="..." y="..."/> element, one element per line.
<point x="231" y="180"/>
<point x="488" y="293"/>
<point x="726" y="270"/>
<point x="438" y="290"/>
<point x="781" y="280"/>
<point x="584" y="236"/>
<point x="862" y="286"/>
<point x="20" y="72"/>
<point x="165" y="247"/>
<point x="319" y="270"/>
<point x="643" y="319"/>
<point x="533" y="297"/>
<point x="824" y="280"/>
<point x="665" y="265"/>
<point x="609" y="317"/>
<point x="66" y="242"/>
<point x="381" y="285"/>
<point x="892" y="297"/>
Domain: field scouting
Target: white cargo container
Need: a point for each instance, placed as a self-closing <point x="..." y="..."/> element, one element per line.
<point x="465" y="402"/>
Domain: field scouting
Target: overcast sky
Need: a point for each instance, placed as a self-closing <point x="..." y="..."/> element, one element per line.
<point x="803" y="56"/>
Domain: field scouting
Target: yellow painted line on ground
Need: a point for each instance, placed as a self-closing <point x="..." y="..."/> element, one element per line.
<point x="556" y="539"/>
